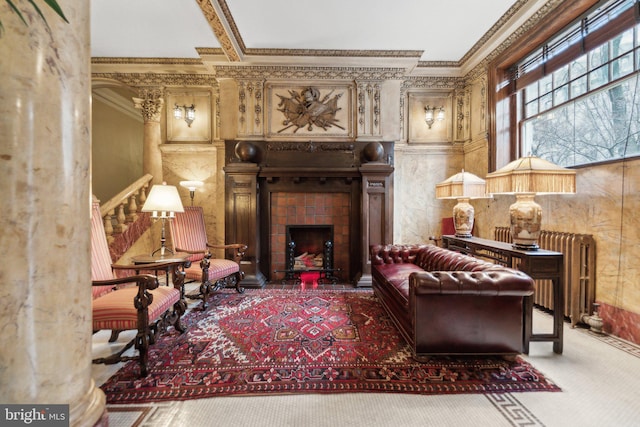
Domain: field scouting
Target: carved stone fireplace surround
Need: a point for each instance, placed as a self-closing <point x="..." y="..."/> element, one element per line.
<point x="256" y="171"/>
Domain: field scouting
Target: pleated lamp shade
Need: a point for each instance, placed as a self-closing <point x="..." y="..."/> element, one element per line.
<point x="462" y="184"/>
<point x="531" y="175"/>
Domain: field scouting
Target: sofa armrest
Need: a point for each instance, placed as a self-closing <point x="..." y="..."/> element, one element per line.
<point x="489" y="283"/>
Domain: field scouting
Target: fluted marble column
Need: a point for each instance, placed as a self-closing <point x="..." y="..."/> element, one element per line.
<point x="150" y="103"/>
<point x="45" y="273"/>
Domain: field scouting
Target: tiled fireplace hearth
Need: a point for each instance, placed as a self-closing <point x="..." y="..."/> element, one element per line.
<point x="307" y="209"/>
<point x="344" y="185"/>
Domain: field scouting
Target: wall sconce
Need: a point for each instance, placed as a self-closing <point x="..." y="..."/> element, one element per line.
<point x="430" y="115"/>
<point x="189" y="114"/>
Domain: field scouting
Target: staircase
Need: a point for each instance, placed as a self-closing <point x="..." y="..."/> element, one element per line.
<point x="124" y="223"/>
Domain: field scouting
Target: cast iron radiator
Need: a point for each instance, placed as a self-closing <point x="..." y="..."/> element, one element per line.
<point x="579" y="252"/>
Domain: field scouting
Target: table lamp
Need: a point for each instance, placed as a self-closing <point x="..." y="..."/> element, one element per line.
<point x="163" y="202"/>
<point x="462" y="186"/>
<point x="525" y="178"/>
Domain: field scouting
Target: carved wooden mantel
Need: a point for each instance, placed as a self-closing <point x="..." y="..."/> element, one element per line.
<point x="255" y="170"/>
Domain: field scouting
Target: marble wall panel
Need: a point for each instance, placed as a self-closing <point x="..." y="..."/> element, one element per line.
<point x="417" y="213"/>
<point x="183" y="162"/>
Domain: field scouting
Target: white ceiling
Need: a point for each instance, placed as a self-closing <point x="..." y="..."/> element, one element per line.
<point x="445" y="30"/>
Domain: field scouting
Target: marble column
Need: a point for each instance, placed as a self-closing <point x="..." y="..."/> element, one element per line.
<point x="150" y="103"/>
<point x="45" y="149"/>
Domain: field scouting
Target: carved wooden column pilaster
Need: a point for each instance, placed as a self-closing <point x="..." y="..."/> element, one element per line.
<point x="150" y="103"/>
<point x="377" y="211"/>
<point x="242" y="218"/>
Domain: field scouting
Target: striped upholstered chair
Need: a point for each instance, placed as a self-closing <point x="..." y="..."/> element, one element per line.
<point x="134" y="302"/>
<point x="189" y="234"/>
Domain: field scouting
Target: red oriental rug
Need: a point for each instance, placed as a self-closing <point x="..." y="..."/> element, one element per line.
<point x="277" y="341"/>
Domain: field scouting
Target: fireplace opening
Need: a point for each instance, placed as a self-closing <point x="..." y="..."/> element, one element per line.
<point x="307" y="246"/>
<point x="309" y="252"/>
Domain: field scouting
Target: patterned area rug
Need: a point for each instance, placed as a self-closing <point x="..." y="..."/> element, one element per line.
<point x="279" y="341"/>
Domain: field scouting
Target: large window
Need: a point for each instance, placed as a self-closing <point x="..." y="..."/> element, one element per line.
<point x="602" y="125"/>
<point x="579" y="94"/>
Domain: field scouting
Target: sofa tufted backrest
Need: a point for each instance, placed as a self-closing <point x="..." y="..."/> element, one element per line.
<point x="435" y="258"/>
<point x="394" y="254"/>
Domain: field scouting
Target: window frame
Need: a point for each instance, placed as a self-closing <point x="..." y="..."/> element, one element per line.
<point x="506" y="107"/>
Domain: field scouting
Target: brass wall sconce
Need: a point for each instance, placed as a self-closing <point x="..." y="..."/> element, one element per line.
<point x="188" y="112"/>
<point x="430" y="115"/>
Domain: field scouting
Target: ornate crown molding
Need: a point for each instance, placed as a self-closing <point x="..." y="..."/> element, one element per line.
<point x="438" y="64"/>
<point x="155" y="79"/>
<point x="233" y="51"/>
<point x="493" y="30"/>
<point x="533" y="20"/>
<point x="336" y="52"/>
<point x="299" y="72"/>
<point x="232" y="24"/>
<point x="145" y="61"/>
<point x="209" y="51"/>
<point x="439" y="82"/>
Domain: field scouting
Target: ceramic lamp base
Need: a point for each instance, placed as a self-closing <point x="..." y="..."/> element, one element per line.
<point x="526" y="221"/>
<point x="463" y="217"/>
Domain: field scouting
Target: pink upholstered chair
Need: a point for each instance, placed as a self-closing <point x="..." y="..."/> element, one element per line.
<point x="120" y="305"/>
<point x="189" y="234"/>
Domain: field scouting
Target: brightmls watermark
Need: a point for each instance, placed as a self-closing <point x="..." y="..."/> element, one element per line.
<point x="34" y="415"/>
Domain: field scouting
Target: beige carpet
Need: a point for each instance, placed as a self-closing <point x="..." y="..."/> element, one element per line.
<point x="599" y="377"/>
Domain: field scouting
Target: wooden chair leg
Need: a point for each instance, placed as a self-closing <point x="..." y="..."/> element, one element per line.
<point x="142" y="345"/>
<point x="179" y="309"/>
<point x="205" y="290"/>
<point x="238" y="278"/>
<point x="114" y="335"/>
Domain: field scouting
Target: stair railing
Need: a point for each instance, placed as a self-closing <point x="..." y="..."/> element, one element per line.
<point x="122" y="209"/>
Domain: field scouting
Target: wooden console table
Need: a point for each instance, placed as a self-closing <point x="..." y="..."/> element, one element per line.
<point x="538" y="264"/>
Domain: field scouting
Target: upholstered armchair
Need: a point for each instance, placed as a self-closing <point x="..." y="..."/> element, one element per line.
<point x="189" y="234"/>
<point x="136" y="302"/>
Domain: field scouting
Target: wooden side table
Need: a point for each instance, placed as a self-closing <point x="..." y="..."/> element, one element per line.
<point x="538" y="264"/>
<point x="156" y="259"/>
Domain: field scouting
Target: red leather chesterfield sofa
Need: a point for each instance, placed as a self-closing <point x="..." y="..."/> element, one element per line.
<point x="447" y="303"/>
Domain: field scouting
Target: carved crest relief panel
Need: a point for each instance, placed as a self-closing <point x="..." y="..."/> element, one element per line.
<point x="321" y="110"/>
